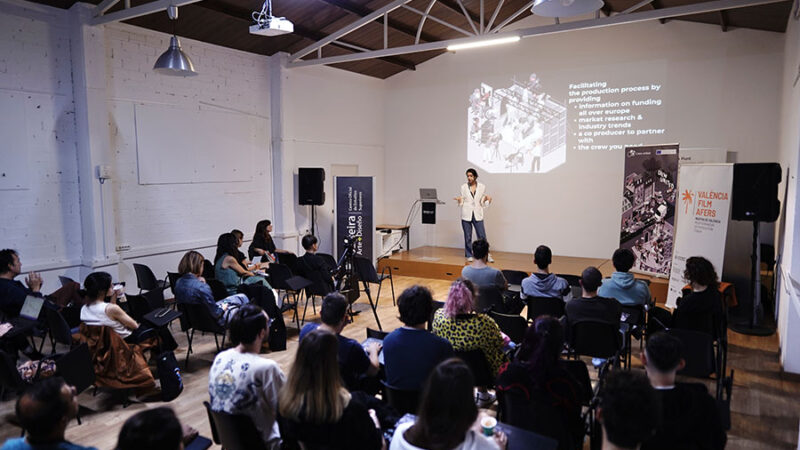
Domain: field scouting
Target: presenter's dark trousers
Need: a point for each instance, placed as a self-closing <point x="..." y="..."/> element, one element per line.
<point x="479" y="230"/>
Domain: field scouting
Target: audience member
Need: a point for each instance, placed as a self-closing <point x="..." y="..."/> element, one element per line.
<point x="622" y="286"/>
<point x="537" y="376"/>
<point x="242" y="382"/>
<point x="228" y="270"/>
<point x="310" y="263"/>
<point x="690" y="418"/>
<point x="191" y="288"/>
<point x="263" y="245"/>
<point x="151" y="429"/>
<point x="13" y="293"/>
<point x="411" y="352"/>
<point x="701" y="309"/>
<point x="447" y="415"/>
<point x="315" y="408"/>
<point x="244" y="260"/>
<point x="479" y="272"/>
<point x="44" y="410"/>
<point x="356" y="364"/>
<point x="542" y="283"/>
<point x="591" y="307"/>
<point x="98" y="312"/>
<point x="465" y="330"/>
<point x="629" y="410"/>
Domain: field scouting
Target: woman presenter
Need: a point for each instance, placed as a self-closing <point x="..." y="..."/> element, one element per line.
<point x="472" y="200"/>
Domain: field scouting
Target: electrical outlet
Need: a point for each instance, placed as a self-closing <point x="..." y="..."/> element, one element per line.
<point x="123" y="247"/>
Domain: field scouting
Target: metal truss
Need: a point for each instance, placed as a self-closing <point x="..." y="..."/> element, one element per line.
<point x="100" y="16"/>
<point x="486" y="30"/>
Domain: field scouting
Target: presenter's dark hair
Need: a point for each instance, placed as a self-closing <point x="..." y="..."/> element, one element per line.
<point x="415" y="305"/>
<point x="95" y="285"/>
<point x="629" y="408"/>
<point x="542" y="257"/>
<point x="473" y="172"/>
<point x="152" y="429"/>
<point x="480" y="249"/>
<point x="700" y="270"/>
<point x="226" y="244"/>
<point x="246" y="323"/>
<point x="591" y="279"/>
<point x="623" y="259"/>
<point x="6" y="259"/>
<point x="334" y="308"/>
<point x="308" y="241"/>
<point x="663" y="352"/>
<point x="447" y="408"/>
<point x="41" y="407"/>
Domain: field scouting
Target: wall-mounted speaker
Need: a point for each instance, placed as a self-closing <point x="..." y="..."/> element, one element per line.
<point x="311" y="185"/>
<point x="755" y="192"/>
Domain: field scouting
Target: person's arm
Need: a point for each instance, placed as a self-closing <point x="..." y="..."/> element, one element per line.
<point x="230" y="263"/>
<point x="114" y="312"/>
<point x="34" y="281"/>
<point x="207" y="297"/>
<point x="373" y="350"/>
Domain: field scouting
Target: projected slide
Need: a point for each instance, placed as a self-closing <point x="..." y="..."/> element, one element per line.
<point x="516" y="129"/>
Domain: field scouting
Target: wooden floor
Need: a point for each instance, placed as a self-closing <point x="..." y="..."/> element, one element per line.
<point x="766" y="402"/>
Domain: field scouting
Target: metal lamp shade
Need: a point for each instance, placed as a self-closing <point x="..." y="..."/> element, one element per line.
<point x="565" y="8"/>
<point x="174" y="61"/>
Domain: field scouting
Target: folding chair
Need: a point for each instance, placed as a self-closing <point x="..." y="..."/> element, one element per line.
<point x="489" y="297"/>
<point x="367" y="274"/>
<point x="199" y="318"/>
<point x="514" y="326"/>
<point x="234" y="431"/>
<point x="540" y="306"/>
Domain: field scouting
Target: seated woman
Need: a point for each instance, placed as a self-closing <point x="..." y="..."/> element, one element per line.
<point x="700" y="310"/>
<point x="243" y="260"/>
<point x="262" y="244"/>
<point x="96" y="312"/>
<point x="447" y="415"/>
<point x="315" y="408"/>
<point x="465" y="330"/>
<point x="191" y="288"/>
<point x="228" y="270"/>
<point x="548" y="395"/>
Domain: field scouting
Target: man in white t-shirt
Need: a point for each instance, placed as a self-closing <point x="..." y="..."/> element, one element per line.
<point x="242" y="382"/>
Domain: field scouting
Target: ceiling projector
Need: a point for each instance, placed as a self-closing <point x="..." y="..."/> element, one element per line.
<point x="272" y="26"/>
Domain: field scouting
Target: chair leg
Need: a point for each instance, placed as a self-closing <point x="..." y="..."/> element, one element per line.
<point x="373" y="306"/>
<point x="378" y="296"/>
<point x="391" y="283"/>
<point x="189" y="348"/>
<point x="305" y="308"/>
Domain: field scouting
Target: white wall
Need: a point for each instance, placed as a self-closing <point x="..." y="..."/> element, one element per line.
<point x="720" y="90"/>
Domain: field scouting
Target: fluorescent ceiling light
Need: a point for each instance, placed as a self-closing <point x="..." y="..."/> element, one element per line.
<point x="482" y="43"/>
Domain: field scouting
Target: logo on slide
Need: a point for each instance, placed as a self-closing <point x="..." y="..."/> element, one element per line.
<point x="688" y="200"/>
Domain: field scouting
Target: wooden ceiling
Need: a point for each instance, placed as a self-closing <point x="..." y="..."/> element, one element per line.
<point x="226" y="22"/>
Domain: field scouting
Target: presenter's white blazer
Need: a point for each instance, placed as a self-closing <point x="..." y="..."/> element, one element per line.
<point x="469" y="204"/>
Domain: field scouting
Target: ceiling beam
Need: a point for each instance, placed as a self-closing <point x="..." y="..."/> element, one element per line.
<point x="354" y="8"/>
<point x="617" y="19"/>
<point x="139" y="11"/>
<point x="453" y="6"/>
<point x="241" y="15"/>
<point x="657" y="5"/>
<point x="723" y="21"/>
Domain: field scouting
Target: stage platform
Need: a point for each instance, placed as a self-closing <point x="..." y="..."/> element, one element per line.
<point x="445" y="263"/>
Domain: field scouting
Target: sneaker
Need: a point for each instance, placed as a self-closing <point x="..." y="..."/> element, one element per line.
<point x="470" y="259"/>
<point x="491" y="260"/>
<point x="484" y="401"/>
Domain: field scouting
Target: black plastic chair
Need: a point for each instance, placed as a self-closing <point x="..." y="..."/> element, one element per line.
<point x="477" y="363"/>
<point x="199" y="318"/>
<point x="514" y="326"/>
<point x="10" y="380"/>
<point x="539" y="415"/>
<point x="540" y="306"/>
<point x="330" y="261"/>
<point x="282" y="279"/>
<point x="317" y="287"/>
<point x="208" y="270"/>
<point x="595" y="339"/>
<point x="234" y="431"/>
<point x="489" y="297"/>
<point x="375" y="334"/>
<point x="173" y="280"/>
<point x="514" y="276"/>
<point x="635" y="326"/>
<point x="59" y="330"/>
<point x="403" y="401"/>
<point x="437" y="305"/>
<point x="65" y="280"/>
<point x="577" y="369"/>
<point x="76" y="368"/>
<point x="146" y="279"/>
<point x="367" y="274"/>
<point x="217" y="289"/>
<point x="289" y="260"/>
<point x="138" y="307"/>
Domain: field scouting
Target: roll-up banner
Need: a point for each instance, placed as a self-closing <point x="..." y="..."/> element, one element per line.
<point x="703" y="209"/>
<point x="648" y="206"/>
<point x="354" y="215"/>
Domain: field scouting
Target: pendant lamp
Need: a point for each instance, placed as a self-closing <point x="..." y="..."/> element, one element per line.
<point x="174" y="61"/>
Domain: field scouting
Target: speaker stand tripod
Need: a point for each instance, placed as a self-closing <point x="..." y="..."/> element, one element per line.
<point x="755" y="326"/>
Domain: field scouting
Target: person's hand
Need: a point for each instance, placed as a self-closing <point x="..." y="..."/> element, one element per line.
<point x="34" y="281"/>
<point x="249" y="274"/>
<point x="224" y="306"/>
<point x="202" y="279"/>
<point x="487" y="199"/>
<point x="374" y="348"/>
<point x="374" y="418"/>
<point x="500" y="439"/>
<point x="5" y="327"/>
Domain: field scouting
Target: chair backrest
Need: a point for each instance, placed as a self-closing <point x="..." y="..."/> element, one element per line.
<point x="217" y="289"/>
<point x="262" y="296"/>
<point x="366" y="271"/>
<point x="145" y="279"/>
<point x="138" y="307"/>
<point x="572" y="280"/>
<point x="186" y="324"/>
<point x="488" y="297"/>
<point x="59" y="329"/>
<point x="596" y="339"/>
<point x="437" y="305"/>
<point x="278" y="274"/>
<point x="201" y="319"/>
<point x="513" y="325"/>
<point x="540" y="306"/>
<point x="9" y="377"/>
<point x="697" y="349"/>
<point x="636" y="315"/>
<point x="539" y="415"/>
<point x="65" y="280"/>
<point x="318" y="284"/>
<point x="580" y="374"/>
<point x="155" y="298"/>
<point x="208" y="270"/>
<point x="76" y="368"/>
<point x="233" y="431"/>
<point x="173" y="279"/>
<point x="514" y="276"/>
<point x="330" y="261"/>
<point x="405" y="402"/>
<point x="289" y="260"/>
<point x="476" y="361"/>
<point x="376" y="334"/>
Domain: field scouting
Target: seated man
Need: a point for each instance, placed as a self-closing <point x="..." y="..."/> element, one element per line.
<point x="479" y="272"/>
<point x="154" y="429"/>
<point x="411" y="352"/>
<point x="242" y="382"/>
<point x="311" y="263"/>
<point x="629" y="411"/>
<point x="542" y="283"/>
<point x="622" y="286"/>
<point x="355" y="363"/>
<point x="690" y="416"/>
<point x="44" y="410"/>
<point x="591" y="307"/>
<point x="13" y="293"/>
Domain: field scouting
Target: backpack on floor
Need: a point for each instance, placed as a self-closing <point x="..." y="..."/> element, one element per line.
<point x="170" y="376"/>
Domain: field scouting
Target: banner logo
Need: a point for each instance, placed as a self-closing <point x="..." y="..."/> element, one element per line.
<point x="688" y="200"/>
